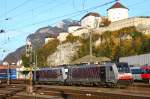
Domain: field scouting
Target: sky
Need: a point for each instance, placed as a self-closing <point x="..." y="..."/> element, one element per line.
<point x="19" y="18"/>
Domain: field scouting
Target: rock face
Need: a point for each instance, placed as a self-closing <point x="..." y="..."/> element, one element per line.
<point x="63" y="54"/>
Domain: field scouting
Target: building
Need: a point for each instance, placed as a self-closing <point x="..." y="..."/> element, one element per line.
<point x="48" y="39"/>
<point x="137" y="60"/>
<point x="91" y="20"/>
<point x="117" y="12"/>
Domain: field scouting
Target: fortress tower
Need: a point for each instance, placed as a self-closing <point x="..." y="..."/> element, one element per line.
<point x="117" y="12"/>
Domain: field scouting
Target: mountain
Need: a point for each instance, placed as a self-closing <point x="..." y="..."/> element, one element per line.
<point x="38" y="38"/>
<point x="64" y="24"/>
<point x="1" y="61"/>
<point x="15" y="56"/>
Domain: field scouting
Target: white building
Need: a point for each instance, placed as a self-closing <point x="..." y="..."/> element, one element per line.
<point x="48" y="39"/>
<point x="117" y="12"/>
<point x="91" y="20"/>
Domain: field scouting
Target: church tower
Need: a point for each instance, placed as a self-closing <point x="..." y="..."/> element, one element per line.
<point x="117" y="12"/>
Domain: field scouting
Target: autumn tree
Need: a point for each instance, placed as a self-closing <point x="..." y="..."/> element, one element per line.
<point x="45" y="51"/>
<point x="105" y="22"/>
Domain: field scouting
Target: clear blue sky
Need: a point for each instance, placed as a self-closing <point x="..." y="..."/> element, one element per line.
<point x="22" y="14"/>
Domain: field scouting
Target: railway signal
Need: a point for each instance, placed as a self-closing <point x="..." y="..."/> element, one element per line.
<point x="29" y="54"/>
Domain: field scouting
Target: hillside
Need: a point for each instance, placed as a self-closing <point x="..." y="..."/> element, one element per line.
<point x="124" y="42"/>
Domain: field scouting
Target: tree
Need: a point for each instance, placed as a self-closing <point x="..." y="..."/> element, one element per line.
<point x="45" y="51"/>
<point x="70" y="38"/>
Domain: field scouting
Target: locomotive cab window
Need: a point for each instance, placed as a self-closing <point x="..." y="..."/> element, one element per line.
<point x="123" y="67"/>
<point x="136" y="71"/>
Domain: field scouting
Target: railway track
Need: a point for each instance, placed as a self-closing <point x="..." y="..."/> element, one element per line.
<point x="95" y="93"/>
<point x="136" y="84"/>
<point x="8" y="91"/>
<point x="18" y="91"/>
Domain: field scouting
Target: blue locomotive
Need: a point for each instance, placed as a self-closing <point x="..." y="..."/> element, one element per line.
<point x="6" y="73"/>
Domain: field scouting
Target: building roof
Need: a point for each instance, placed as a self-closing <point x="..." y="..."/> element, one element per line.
<point x="87" y="59"/>
<point x="91" y="14"/>
<point x="6" y="67"/>
<point x="117" y="5"/>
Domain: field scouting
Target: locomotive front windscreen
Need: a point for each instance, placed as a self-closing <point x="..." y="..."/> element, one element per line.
<point x="123" y="67"/>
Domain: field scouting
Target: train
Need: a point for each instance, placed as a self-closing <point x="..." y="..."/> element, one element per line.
<point x="109" y="74"/>
<point x="141" y="73"/>
<point x="6" y="74"/>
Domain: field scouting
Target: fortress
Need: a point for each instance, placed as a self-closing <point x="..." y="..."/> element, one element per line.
<point x="117" y="14"/>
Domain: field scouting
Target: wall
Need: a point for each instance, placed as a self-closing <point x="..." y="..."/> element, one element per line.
<point x="62" y="36"/>
<point x="141" y="23"/>
<point x="73" y="28"/>
<point x="116" y="14"/>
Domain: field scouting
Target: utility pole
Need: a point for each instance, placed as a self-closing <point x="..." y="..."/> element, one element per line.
<point x="90" y="46"/>
<point x="60" y="56"/>
<point x="8" y="74"/>
<point x="95" y="25"/>
<point x="35" y="66"/>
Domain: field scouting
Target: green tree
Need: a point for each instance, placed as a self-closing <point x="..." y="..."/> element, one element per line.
<point x="25" y="61"/>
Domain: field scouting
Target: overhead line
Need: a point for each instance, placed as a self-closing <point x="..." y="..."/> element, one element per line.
<point x="20" y="5"/>
<point x="37" y="14"/>
<point x="33" y="8"/>
<point x="76" y="12"/>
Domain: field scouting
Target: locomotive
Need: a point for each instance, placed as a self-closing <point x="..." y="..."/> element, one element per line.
<point x="6" y="73"/>
<point x="86" y="74"/>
